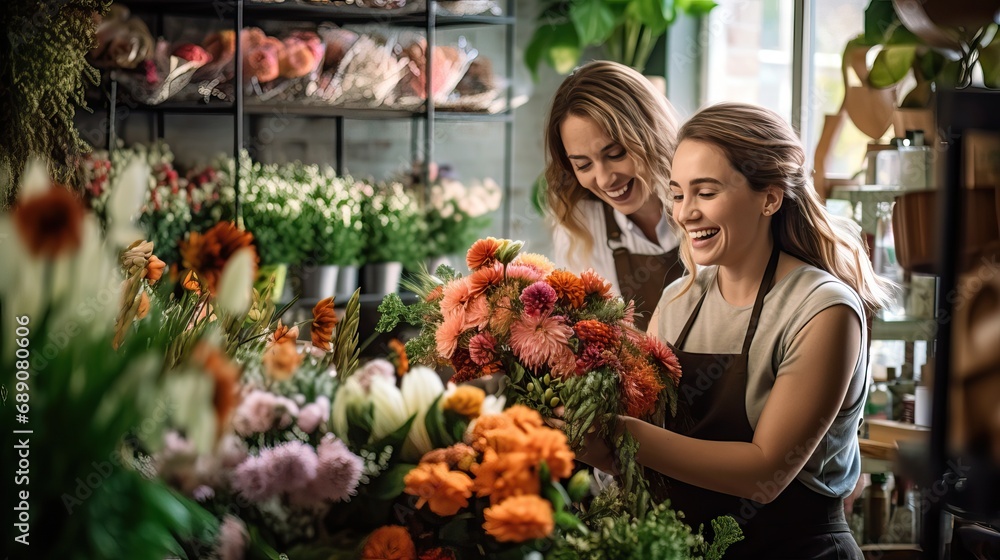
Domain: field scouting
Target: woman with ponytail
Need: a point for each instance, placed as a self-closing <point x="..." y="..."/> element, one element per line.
<point x="770" y="330"/>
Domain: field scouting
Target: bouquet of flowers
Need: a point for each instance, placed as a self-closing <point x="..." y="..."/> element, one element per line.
<point x="559" y="338"/>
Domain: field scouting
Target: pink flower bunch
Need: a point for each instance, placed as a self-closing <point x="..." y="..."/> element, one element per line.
<point x="261" y="411"/>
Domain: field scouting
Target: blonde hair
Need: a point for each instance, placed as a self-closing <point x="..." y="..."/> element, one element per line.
<point x="624" y="104"/>
<point x="759" y="144"/>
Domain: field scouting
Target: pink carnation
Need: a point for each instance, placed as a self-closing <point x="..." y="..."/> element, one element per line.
<point x="538" y="299"/>
<point x="256" y="414"/>
<point x="535" y="339"/>
<point x="483" y="348"/>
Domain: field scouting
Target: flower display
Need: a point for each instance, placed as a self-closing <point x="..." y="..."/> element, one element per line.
<point x="557" y="336"/>
<point x="394" y="227"/>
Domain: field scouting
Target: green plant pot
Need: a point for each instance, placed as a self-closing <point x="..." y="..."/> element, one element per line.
<point x="277" y="272"/>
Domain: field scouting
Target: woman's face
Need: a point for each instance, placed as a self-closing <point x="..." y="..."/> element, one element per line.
<point x="601" y="165"/>
<point x="724" y="217"/>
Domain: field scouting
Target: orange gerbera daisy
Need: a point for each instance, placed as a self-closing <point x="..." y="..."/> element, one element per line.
<point x="466" y="400"/>
<point x="593" y="283"/>
<point x="154" y="269"/>
<point x="568" y="286"/>
<point x="50" y="223"/>
<point x="482" y="253"/>
<point x="444" y="490"/>
<point x="391" y="542"/>
<point x="324" y="320"/>
<point x="208" y="253"/>
<point x="503" y="475"/>
<point x="519" y="519"/>
<point x="640" y="386"/>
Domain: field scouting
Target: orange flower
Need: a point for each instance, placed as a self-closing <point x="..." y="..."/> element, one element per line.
<point x="535" y="261"/>
<point x="640" y="386"/>
<point x="143" y="307"/>
<point x="281" y="360"/>
<point x="226" y="375"/>
<point x="663" y="355"/>
<point x="154" y="269"/>
<point x="438" y="554"/>
<point x="594" y="284"/>
<point x="478" y="436"/>
<point x="482" y="279"/>
<point x="459" y="456"/>
<point x="519" y="519"/>
<point x="399" y="358"/>
<point x="466" y="369"/>
<point x="282" y="333"/>
<point x="435" y="294"/>
<point x="466" y="400"/>
<point x="524" y="418"/>
<point x="324" y="320"/>
<point x="391" y="542"/>
<point x="568" y="287"/>
<point x="50" y="223"/>
<point x="596" y="332"/>
<point x="551" y="446"/>
<point x="208" y="253"/>
<point x="503" y="475"/>
<point x="444" y="490"/>
<point x="191" y="282"/>
<point x="482" y="253"/>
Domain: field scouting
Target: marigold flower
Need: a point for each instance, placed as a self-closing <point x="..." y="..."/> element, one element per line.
<point x="568" y="286"/>
<point x="154" y="269"/>
<point x="466" y="400"/>
<point x="640" y="386"/>
<point x="399" y="358"/>
<point x="281" y="360"/>
<point x="519" y="519"/>
<point x="533" y="260"/>
<point x="477" y="436"/>
<point x="283" y="333"/>
<point x="524" y="418"/>
<point x="391" y="542"/>
<point x="551" y="446"/>
<point x="482" y="253"/>
<point x="50" y="223"/>
<point x="594" y="284"/>
<point x="208" y="253"/>
<point x="503" y="475"/>
<point x="444" y="490"/>
<point x="324" y="320"/>
<point x="143" y="306"/>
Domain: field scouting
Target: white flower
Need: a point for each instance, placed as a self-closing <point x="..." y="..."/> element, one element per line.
<point x="236" y="285"/>
<point x="421" y="386"/>
<point x="350" y="393"/>
<point x="390" y="409"/>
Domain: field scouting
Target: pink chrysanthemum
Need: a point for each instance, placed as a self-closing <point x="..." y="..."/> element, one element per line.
<point x="563" y="363"/>
<point x="483" y="348"/>
<point x="310" y="417"/>
<point x="482" y="279"/>
<point x="538" y="299"/>
<point x="337" y="475"/>
<point x="533" y="260"/>
<point x="477" y="313"/>
<point x="249" y="481"/>
<point x="593" y="283"/>
<point x="524" y="273"/>
<point x="447" y="334"/>
<point x="256" y="414"/>
<point x="664" y="355"/>
<point x="534" y="339"/>
<point x="595" y="356"/>
<point x="289" y="466"/>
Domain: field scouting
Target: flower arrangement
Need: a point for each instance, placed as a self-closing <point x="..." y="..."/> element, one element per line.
<point x="498" y="492"/>
<point x="560" y="339"/>
<point x="332" y="210"/>
<point x="394" y="227"/>
<point x="456" y="214"/>
<point x="273" y="205"/>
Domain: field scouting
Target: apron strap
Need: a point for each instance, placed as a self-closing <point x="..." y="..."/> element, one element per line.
<point x="614" y="232"/>
<point x="620" y="254"/>
<point x="758" y="304"/>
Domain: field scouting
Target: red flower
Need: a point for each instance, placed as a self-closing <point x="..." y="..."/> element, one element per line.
<point x="50" y="223"/>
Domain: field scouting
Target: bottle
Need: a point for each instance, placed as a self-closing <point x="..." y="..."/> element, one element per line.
<point x="876" y="506"/>
<point x="887" y="165"/>
<point x="914" y="162"/>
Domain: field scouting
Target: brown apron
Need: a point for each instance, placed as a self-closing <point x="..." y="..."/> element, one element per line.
<point x="799" y="523"/>
<point x="641" y="278"/>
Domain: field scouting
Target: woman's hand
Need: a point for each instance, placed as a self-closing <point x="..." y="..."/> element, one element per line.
<point x="595" y="451"/>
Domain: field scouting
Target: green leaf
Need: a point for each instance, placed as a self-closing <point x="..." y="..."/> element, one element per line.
<point x="594" y="21"/>
<point x="536" y="49"/>
<point x="569" y="522"/>
<point x="696" y="7"/>
<point x="930" y="64"/>
<point x="360" y="419"/>
<point x="989" y="59"/>
<point x="891" y="65"/>
<point x="655" y="14"/>
<point x="390" y="484"/>
<point x="880" y="20"/>
<point x="434" y="422"/>
<point x="563" y="51"/>
<point x="396" y="438"/>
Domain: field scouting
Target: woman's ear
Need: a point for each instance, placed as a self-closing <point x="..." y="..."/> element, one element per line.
<point x="773" y="196"/>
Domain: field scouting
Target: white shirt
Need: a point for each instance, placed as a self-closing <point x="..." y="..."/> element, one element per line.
<point x="590" y="213"/>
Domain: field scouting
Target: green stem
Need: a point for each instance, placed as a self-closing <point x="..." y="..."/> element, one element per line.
<point x="646" y="43"/>
<point x="631" y="40"/>
<point x="615" y="44"/>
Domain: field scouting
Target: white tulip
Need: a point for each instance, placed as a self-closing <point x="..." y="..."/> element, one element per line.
<point x="349" y="393"/>
<point x="236" y="285"/>
<point x="421" y="385"/>
<point x="390" y="410"/>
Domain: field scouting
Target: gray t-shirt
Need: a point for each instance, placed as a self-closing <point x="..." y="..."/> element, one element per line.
<point x="720" y="328"/>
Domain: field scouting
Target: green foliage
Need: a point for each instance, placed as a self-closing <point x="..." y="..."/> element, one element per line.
<point x="272" y="208"/>
<point x="628" y="29"/>
<point x="332" y="212"/>
<point x="394" y="227"/>
<point x="43" y="74"/>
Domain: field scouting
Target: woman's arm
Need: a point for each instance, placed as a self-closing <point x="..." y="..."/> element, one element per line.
<point x="807" y="394"/>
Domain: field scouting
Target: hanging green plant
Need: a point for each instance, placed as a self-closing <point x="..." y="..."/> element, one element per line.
<point x="42" y="79"/>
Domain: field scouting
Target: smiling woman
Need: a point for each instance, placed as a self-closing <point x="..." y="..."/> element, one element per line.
<point x="609" y="140"/>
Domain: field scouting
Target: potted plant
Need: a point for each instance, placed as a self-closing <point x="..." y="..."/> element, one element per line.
<point x="627" y="29"/>
<point x="456" y="215"/>
<point x="395" y="235"/>
<point x="333" y="213"/>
